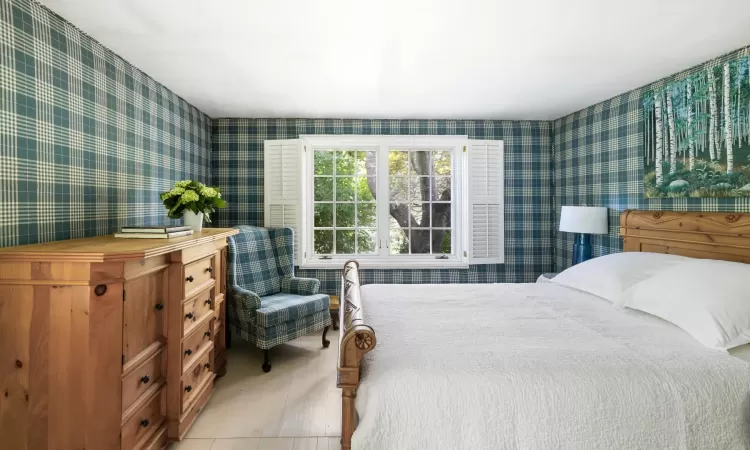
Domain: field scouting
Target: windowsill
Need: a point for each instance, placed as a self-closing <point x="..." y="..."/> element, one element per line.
<point x="364" y="264"/>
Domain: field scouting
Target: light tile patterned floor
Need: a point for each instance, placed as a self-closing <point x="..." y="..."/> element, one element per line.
<point x="294" y="407"/>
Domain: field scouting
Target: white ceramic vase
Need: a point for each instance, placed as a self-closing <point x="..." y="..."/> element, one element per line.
<point x="193" y="220"/>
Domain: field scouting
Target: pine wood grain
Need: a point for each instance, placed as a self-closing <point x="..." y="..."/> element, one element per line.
<point x="194" y="309"/>
<point x="79" y="322"/>
<point x="109" y="248"/>
<point x="712" y="235"/>
<point x="143" y="322"/>
<point x="150" y="372"/>
<point x="195" y="376"/>
<point x="144" y="422"/>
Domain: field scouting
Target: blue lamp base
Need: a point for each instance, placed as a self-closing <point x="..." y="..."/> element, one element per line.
<point x="581" y="248"/>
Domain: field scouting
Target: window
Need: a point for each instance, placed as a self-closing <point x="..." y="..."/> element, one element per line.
<point x="388" y="201"/>
<point x="419" y="201"/>
<point x="344" y="207"/>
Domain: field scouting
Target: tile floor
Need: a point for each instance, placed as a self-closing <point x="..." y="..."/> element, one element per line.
<point x="294" y="407"/>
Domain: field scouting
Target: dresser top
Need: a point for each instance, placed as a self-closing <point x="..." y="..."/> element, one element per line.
<point x="109" y="248"/>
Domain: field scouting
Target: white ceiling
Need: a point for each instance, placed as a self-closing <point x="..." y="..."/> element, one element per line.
<point x="470" y="59"/>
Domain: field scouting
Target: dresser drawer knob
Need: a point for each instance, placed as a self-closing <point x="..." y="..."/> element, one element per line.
<point x="188" y="352"/>
<point x="190" y="279"/>
<point x="145" y="423"/>
<point x="145" y="379"/>
<point x="100" y="290"/>
<point x="207" y="365"/>
<point x="159" y="306"/>
<point x="188" y="388"/>
<point x="209" y="269"/>
<point x="208" y="301"/>
<point x="207" y="334"/>
<point x="190" y="315"/>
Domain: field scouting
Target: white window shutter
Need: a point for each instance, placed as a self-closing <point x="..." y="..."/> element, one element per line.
<point x="486" y="202"/>
<point x="282" y="173"/>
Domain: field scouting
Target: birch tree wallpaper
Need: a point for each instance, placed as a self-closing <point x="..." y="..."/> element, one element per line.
<point x="697" y="133"/>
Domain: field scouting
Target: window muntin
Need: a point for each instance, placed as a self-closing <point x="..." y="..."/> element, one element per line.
<point x="345" y="211"/>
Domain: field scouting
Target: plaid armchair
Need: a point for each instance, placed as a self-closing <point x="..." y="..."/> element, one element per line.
<point x="266" y="304"/>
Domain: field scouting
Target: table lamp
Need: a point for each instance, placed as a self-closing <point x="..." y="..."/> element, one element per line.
<point x="584" y="221"/>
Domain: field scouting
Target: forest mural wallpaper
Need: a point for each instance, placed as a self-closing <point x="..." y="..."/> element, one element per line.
<point x="697" y="133"/>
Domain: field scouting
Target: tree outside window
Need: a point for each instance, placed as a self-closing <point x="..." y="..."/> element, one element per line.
<point x="345" y="201"/>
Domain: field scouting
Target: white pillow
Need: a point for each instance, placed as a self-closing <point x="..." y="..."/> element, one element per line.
<point x="610" y="276"/>
<point x="707" y="298"/>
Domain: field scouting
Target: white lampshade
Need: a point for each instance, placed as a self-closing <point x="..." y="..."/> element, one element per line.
<point x="584" y="219"/>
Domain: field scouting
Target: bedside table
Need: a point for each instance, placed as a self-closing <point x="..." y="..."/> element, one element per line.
<point x="545" y="277"/>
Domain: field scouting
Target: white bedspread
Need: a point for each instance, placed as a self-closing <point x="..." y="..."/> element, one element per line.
<point x="539" y="366"/>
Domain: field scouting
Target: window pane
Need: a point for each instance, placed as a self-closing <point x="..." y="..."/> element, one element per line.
<point x="420" y="241"/>
<point x="366" y="215"/>
<point x="420" y="214"/>
<point x="399" y="244"/>
<point x="420" y="163"/>
<point x="366" y="164"/>
<point x="366" y="241"/>
<point x="399" y="212"/>
<point x="443" y="186"/>
<point x="441" y="241"/>
<point x="441" y="163"/>
<point x="345" y="189"/>
<point x="365" y="187"/>
<point x="345" y="162"/>
<point x="344" y="242"/>
<point x="344" y="215"/>
<point x="323" y="162"/>
<point x="441" y="215"/>
<point x="419" y="188"/>
<point x="399" y="189"/>
<point x="398" y="162"/>
<point x="323" y="189"/>
<point x="323" y="242"/>
<point x="323" y="215"/>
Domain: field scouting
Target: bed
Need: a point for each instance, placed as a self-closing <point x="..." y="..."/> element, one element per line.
<point x="517" y="366"/>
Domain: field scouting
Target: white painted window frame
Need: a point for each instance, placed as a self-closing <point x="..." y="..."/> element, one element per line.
<point x="384" y="260"/>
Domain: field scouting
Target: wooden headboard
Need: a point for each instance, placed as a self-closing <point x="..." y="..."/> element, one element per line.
<point x="713" y="235"/>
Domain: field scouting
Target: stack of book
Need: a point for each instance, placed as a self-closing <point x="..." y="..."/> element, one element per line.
<point x="163" y="232"/>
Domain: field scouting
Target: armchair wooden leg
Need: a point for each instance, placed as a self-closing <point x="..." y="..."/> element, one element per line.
<point x="326" y="342"/>
<point x="266" y="364"/>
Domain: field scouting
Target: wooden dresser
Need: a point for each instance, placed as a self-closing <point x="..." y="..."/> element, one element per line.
<point x="109" y="343"/>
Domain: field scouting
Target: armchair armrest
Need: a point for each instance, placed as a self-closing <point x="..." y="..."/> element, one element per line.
<point x="300" y="286"/>
<point x="243" y="304"/>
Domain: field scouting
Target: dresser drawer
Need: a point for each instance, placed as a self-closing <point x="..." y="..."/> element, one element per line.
<point x="195" y="309"/>
<point x="144" y="422"/>
<point x="195" y="377"/>
<point x="156" y="442"/>
<point x="219" y="305"/>
<point x="143" y="377"/>
<point x="194" y="343"/>
<point x="197" y="274"/>
<point x="187" y="418"/>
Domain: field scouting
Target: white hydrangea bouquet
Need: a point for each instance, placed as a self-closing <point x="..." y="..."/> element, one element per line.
<point x="193" y="199"/>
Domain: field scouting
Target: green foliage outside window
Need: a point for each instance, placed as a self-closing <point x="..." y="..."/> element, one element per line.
<point x="345" y="210"/>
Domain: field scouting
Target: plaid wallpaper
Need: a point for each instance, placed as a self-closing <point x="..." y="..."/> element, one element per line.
<point x="86" y="140"/>
<point x="598" y="154"/>
<point x="237" y="168"/>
